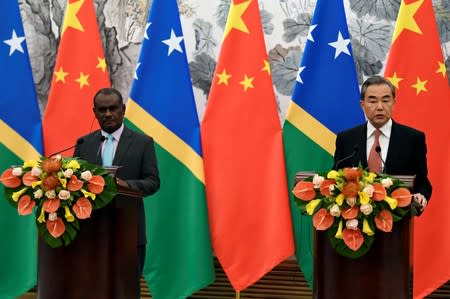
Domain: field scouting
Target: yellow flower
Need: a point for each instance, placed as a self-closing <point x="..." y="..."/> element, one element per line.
<point x="88" y="194"/>
<point x="366" y="228"/>
<point x="311" y="206"/>
<point x="68" y="215"/>
<point x="63" y="182"/>
<point x="391" y="201"/>
<point x="15" y="196"/>
<point x="35" y="184"/>
<point x="41" y="217"/>
<point x="363" y="198"/>
<point x="73" y="164"/>
<point x="332" y="174"/>
<point x="340" y="199"/>
<point x="370" y="177"/>
<point x="30" y="163"/>
<point x="338" y="234"/>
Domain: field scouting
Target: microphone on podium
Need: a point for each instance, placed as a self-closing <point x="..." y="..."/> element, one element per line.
<point x="79" y="141"/>
<point x="383" y="164"/>
<point x="355" y="151"/>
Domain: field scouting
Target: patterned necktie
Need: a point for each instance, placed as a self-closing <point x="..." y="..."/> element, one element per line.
<point x="108" y="151"/>
<point x="374" y="157"/>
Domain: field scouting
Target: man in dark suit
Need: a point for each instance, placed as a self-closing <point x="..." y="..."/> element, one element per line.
<point x="133" y="151"/>
<point x="395" y="148"/>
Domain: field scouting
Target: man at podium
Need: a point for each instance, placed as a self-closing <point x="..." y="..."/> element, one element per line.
<point x="383" y="145"/>
<point x="115" y="144"/>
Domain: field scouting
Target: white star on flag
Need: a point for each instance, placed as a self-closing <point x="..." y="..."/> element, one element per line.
<point x="174" y="43"/>
<point x="311" y="29"/>
<point x="341" y="45"/>
<point x="135" y="71"/>
<point x="146" y="28"/>
<point x="299" y="78"/>
<point x="15" y="43"/>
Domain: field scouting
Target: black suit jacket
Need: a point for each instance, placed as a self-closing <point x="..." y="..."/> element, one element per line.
<point x="407" y="153"/>
<point x="135" y="154"/>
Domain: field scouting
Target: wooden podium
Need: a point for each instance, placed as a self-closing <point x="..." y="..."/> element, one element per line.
<point x="100" y="262"/>
<point x="384" y="272"/>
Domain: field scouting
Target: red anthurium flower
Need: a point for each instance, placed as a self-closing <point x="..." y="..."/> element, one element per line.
<point x="403" y="197"/>
<point x="379" y="192"/>
<point x="96" y="184"/>
<point x="74" y="184"/>
<point x="51" y="205"/>
<point x="56" y="228"/>
<point x="304" y="191"/>
<point x="29" y="179"/>
<point x="353" y="238"/>
<point x="325" y="187"/>
<point x="384" y="221"/>
<point x="26" y="205"/>
<point x="10" y="180"/>
<point x="350" y="213"/>
<point x="322" y="220"/>
<point x="82" y="208"/>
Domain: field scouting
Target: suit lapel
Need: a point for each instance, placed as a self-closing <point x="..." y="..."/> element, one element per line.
<point x="362" y="145"/>
<point x="123" y="146"/>
<point x="95" y="143"/>
<point x="393" y="146"/>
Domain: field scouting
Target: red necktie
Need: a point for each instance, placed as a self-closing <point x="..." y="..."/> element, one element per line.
<point x="374" y="157"/>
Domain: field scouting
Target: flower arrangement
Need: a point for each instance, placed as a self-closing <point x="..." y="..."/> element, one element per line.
<point x="62" y="191"/>
<point x="352" y="204"/>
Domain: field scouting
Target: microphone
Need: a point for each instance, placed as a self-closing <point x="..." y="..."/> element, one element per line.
<point x="355" y="151"/>
<point x="79" y="141"/>
<point x="383" y="164"/>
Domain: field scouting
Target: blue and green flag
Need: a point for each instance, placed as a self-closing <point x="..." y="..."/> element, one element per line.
<point x="325" y="101"/>
<point x="20" y="140"/>
<point x="161" y="104"/>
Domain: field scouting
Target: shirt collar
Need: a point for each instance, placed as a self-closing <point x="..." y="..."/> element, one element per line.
<point x="385" y="129"/>
<point x="116" y="134"/>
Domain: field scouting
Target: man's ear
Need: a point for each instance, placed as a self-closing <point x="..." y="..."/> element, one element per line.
<point x="124" y="108"/>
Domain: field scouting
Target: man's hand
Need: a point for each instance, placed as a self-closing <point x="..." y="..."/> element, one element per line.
<point x="420" y="200"/>
<point x="121" y="183"/>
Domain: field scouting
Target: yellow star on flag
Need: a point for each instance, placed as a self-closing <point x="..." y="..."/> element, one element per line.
<point x="71" y="19"/>
<point x="101" y="64"/>
<point x="266" y="67"/>
<point x="61" y="75"/>
<point x="235" y="18"/>
<point x="83" y="80"/>
<point x="406" y="19"/>
<point x="223" y="77"/>
<point x="420" y="85"/>
<point x="247" y="82"/>
<point x="395" y="80"/>
<point x="441" y="69"/>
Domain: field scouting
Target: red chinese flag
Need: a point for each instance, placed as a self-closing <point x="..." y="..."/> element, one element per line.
<point x="416" y="67"/>
<point x="246" y="185"/>
<point x="80" y="71"/>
